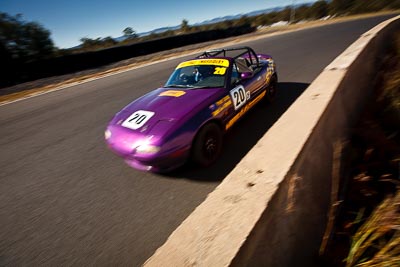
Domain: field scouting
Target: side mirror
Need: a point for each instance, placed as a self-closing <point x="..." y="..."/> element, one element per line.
<point x="246" y="75"/>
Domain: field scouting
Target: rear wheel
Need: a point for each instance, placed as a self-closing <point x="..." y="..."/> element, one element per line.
<point x="271" y="90"/>
<point x="207" y="145"/>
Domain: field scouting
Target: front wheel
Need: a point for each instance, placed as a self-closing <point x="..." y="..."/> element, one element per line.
<point x="207" y="145"/>
<point x="271" y="89"/>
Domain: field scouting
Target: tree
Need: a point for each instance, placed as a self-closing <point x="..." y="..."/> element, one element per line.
<point x="243" y="21"/>
<point x="24" y="41"/>
<point x="319" y="9"/>
<point x="108" y="41"/>
<point x="185" y="26"/>
<point x="89" y="42"/>
<point x="284" y="15"/>
<point x="302" y="13"/>
<point x="21" y="43"/>
<point x="340" y="6"/>
<point x="98" y="43"/>
<point x="129" y="33"/>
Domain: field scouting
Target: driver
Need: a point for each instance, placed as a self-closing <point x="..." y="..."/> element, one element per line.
<point x="197" y="75"/>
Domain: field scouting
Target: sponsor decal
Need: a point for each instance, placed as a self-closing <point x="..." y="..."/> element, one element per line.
<point x="219" y="70"/>
<point x="137" y="119"/>
<point x="270" y="71"/>
<point x="221" y="105"/>
<point x="173" y="93"/>
<point x="244" y="110"/>
<point x="268" y="77"/>
<point x="215" y="62"/>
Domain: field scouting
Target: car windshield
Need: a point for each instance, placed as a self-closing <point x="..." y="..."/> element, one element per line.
<point x="195" y="74"/>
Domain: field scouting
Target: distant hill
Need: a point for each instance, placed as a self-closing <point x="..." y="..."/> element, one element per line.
<point x="212" y="21"/>
<point x="206" y="22"/>
<point x="238" y="16"/>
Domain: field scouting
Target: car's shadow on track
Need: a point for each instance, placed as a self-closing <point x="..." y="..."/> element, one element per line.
<point x="244" y="135"/>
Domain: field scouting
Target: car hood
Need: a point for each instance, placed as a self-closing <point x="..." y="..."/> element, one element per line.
<point x="170" y="105"/>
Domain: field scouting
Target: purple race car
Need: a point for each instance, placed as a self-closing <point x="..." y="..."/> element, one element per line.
<point x="203" y="98"/>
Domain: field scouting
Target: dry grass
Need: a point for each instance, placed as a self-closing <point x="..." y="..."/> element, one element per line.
<point x="377" y="241"/>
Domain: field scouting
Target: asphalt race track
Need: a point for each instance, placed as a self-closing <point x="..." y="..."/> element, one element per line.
<point x="65" y="199"/>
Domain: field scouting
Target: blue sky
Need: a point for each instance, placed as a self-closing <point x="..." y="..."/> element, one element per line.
<point x="71" y="20"/>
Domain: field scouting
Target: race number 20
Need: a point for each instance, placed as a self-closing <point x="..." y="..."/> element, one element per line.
<point x="239" y="96"/>
<point x="137" y="119"/>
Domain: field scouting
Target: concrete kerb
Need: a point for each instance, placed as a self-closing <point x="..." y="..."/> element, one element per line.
<point x="271" y="209"/>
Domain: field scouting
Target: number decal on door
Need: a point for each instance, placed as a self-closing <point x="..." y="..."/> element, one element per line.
<point x="239" y="96"/>
<point x="137" y="119"/>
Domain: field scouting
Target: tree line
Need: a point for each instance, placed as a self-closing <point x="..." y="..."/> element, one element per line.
<point x="321" y="9"/>
<point x="23" y="42"/>
<point x="318" y="10"/>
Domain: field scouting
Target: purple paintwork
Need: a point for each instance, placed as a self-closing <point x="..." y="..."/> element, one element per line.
<point x="170" y="107"/>
<point x="246" y="75"/>
<point x="171" y="113"/>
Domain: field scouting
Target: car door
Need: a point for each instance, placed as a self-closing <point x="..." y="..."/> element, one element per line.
<point x="244" y="92"/>
<point x="244" y="88"/>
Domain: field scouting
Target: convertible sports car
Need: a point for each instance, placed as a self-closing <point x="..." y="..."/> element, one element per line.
<point x="187" y="118"/>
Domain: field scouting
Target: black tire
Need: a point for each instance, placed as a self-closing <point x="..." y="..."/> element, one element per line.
<point x="207" y="145"/>
<point x="271" y="90"/>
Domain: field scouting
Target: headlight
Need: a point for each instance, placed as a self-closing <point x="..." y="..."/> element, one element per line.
<point x="148" y="149"/>
<point x="107" y="134"/>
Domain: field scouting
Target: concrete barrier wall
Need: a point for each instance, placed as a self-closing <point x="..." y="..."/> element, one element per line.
<point x="271" y="210"/>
